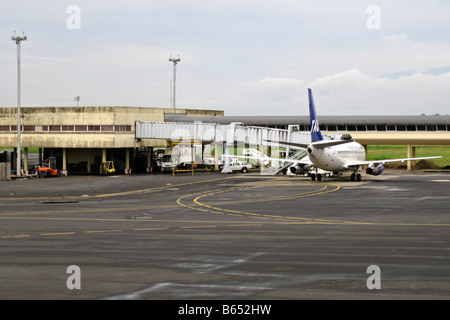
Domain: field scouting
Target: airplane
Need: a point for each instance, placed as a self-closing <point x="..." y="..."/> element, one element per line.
<point x="336" y="155"/>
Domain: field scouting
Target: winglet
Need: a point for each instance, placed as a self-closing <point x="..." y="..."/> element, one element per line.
<point x="316" y="135"/>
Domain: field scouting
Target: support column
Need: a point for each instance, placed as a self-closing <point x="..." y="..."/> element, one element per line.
<point x="410" y="152"/>
<point x="216" y="156"/>
<point x="261" y="161"/>
<point x="89" y="156"/>
<point x="127" y="161"/>
<point x="149" y="159"/>
<point x="64" y="162"/>
<point x="25" y="160"/>
<point x="40" y="157"/>
<point x="103" y="155"/>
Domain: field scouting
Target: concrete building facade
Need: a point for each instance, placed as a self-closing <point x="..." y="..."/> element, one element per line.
<point x="81" y="138"/>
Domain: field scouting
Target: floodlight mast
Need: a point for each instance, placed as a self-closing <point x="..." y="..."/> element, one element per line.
<point x="18" y="40"/>
<point x="175" y="61"/>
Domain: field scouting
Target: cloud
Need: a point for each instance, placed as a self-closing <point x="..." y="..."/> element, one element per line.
<point x="395" y="38"/>
<point x="354" y="93"/>
<point x="243" y="57"/>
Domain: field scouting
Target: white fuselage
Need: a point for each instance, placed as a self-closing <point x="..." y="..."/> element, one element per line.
<point x="336" y="158"/>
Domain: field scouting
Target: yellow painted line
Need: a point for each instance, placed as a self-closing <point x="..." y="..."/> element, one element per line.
<point x="252" y="214"/>
<point x="57" y="233"/>
<point x="234" y="211"/>
<point x="301" y="195"/>
<point x="119" y="193"/>
<point x="17" y="236"/>
<point x="195" y="227"/>
<point x="102" y="231"/>
<point x="245" y="225"/>
<point x="149" y="229"/>
<point x="99" y="210"/>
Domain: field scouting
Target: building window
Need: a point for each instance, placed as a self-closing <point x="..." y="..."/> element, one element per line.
<point x="54" y="128"/>
<point x="107" y="128"/>
<point x="390" y="127"/>
<point x="361" y="128"/>
<point x="93" y="128"/>
<point x="80" y="128"/>
<point x="29" y="128"/>
<point x="67" y="128"/>
<point x="122" y="128"/>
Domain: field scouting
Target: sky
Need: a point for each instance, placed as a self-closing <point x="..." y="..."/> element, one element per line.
<point x="246" y="57"/>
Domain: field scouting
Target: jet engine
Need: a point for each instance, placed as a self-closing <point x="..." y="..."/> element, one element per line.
<point x="375" y="170"/>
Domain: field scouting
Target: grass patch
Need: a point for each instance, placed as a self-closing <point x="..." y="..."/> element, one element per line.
<point x="383" y="152"/>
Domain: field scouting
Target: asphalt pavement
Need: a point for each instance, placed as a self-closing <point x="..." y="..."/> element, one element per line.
<point x="226" y="236"/>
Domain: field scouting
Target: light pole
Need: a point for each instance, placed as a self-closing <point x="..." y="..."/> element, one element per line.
<point x="18" y="40"/>
<point x="175" y="61"/>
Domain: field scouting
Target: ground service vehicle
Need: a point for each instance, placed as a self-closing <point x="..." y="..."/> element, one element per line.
<point x="166" y="163"/>
<point x="107" y="168"/>
<point x="240" y="166"/>
<point x="49" y="170"/>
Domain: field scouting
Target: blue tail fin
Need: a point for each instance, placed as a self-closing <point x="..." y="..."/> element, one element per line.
<point x="313" y="122"/>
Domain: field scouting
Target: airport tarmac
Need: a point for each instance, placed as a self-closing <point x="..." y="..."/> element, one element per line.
<point x="233" y="236"/>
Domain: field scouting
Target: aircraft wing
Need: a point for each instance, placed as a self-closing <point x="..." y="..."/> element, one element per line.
<point x="300" y="161"/>
<point x="373" y="162"/>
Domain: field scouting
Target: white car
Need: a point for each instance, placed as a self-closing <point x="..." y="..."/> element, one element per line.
<point x="240" y="166"/>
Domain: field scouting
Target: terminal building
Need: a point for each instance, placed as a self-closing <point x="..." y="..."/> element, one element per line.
<point x="81" y="138"/>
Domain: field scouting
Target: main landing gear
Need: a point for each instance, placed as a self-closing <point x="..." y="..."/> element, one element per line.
<point x="355" y="176"/>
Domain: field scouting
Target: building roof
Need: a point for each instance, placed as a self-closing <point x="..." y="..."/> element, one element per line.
<point x="324" y="120"/>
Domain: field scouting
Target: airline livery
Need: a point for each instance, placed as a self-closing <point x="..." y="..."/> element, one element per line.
<point x="336" y="155"/>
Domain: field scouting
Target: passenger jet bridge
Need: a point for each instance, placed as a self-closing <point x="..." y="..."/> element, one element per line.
<point x="230" y="136"/>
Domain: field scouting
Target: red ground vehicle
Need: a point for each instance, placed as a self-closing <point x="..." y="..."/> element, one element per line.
<point x="48" y="171"/>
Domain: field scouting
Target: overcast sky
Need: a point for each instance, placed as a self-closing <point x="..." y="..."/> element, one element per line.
<point x="246" y="57"/>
